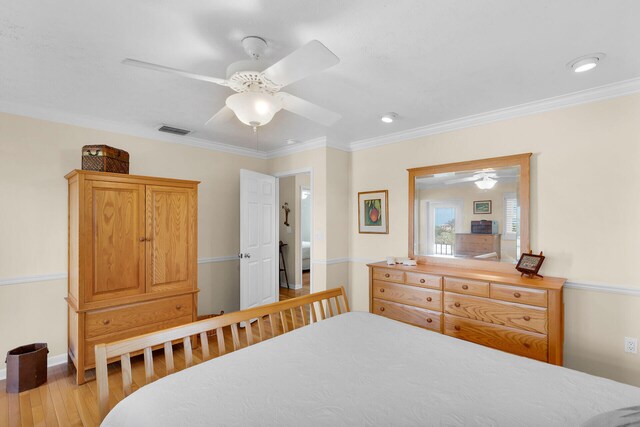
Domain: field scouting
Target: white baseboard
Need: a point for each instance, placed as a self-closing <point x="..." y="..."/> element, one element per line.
<point x="51" y="361"/>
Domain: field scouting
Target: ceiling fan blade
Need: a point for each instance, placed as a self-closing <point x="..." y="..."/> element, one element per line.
<point x="310" y="58"/>
<point x="150" y="66"/>
<point x="308" y="110"/>
<point x="223" y="116"/>
<point x="459" y="180"/>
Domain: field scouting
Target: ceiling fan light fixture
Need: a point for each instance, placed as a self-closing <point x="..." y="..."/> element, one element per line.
<point x="389" y="118"/>
<point x="485" y="183"/>
<point x="585" y="62"/>
<point x="254" y="108"/>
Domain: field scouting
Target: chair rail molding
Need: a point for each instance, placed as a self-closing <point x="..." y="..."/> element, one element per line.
<point x="60" y="276"/>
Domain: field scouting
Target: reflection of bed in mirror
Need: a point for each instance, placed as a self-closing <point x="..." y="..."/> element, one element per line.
<point x="306" y="255"/>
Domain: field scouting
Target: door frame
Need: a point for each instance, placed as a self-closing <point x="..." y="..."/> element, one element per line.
<point x="284" y="174"/>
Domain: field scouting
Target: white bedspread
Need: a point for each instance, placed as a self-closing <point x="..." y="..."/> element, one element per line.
<point x="361" y="369"/>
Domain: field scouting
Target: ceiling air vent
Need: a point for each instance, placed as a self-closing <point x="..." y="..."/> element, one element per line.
<point x="175" y="131"/>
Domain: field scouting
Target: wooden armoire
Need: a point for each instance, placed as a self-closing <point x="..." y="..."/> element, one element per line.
<point x="132" y="258"/>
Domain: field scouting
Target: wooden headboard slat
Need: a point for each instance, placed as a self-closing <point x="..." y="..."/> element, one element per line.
<point x="147" y="342"/>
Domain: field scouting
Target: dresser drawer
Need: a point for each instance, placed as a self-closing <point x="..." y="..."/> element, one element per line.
<point x="90" y="356"/>
<point x="108" y="321"/>
<point x="406" y="294"/>
<point x="408" y="314"/>
<point x="522" y="295"/>
<point x="532" y="319"/>
<point x="466" y="286"/>
<point x="502" y="338"/>
<point x="388" y="275"/>
<point x="424" y="280"/>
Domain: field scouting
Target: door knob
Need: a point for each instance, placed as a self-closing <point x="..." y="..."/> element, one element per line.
<point x="240" y="255"/>
<point x="247" y="255"/>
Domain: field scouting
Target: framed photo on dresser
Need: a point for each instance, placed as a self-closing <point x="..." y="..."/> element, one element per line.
<point x="373" y="212"/>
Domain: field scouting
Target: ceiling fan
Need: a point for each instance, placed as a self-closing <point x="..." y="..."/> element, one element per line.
<point x="484" y="180"/>
<point x="258" y="83"/>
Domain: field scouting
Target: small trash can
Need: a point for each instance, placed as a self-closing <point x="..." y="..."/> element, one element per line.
<point x="26" y="367"/>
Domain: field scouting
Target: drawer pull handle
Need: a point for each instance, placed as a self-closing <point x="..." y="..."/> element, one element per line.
<point x="457" y="328"/>
<point x="527" y="318"/>
<point x="465" y="287"/>
<point x="517" y="294"/>
<point x="387" y="275"/>
<point x="429" y="299"/>
<point x="178" y="307"/>
<point x="429" y="320"/>
<point x="382" y="290"/>
<point x="457" y="304"/>
<point x="527" y="345"/>
<point x="141" y="239"/>
<point x="106" y="321"/>
<point x="422" y="280"/>
<point x="381" y="308"/>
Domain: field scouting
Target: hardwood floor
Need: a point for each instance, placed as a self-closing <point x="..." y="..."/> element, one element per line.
<point x="286" y="293"/>
<point x="60" y="402"/>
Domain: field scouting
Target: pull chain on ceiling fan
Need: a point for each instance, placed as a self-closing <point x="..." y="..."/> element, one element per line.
<point x="258" y="96"/>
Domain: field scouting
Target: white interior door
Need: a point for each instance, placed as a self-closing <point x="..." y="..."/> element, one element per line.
<point x="258" y="239"/>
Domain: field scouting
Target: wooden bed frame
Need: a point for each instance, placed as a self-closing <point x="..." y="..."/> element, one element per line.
<point x="167" y="337"/>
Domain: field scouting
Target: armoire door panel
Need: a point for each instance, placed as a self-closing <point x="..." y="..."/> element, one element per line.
<point x="116" y="240"/>
<point x="170" y="222"/>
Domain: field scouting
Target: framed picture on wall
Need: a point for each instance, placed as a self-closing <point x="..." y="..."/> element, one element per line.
<point x="481" y="207"/>
<point x="373" y="212"/>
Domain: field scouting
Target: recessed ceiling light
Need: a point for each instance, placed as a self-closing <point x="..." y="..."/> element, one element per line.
<point x="389" y="118"/>
<point x="586" y="62"/>
<point x="292" y="141"/>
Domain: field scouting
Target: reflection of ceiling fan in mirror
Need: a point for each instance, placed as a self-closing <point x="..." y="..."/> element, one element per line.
<point x="258" y="83"/>
<point x="484" y="180"/>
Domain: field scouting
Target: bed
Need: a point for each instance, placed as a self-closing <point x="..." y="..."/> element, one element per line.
<point x="357" y="368"/>
<point x="306" y="255"/>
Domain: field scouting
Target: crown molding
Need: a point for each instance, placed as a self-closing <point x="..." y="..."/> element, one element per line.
<point x="613" y="90"/>
<point x="127" y="129"/>
<point x="311" y="144"/>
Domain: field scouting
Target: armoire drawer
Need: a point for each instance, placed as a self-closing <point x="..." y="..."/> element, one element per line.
<point x="113" y="320"/>
<point x="405" y="313"/>
<point x="90" y="356"/>
<point x="466" y="286"/>
<point x="511" y="340"/>
<point x="527" y="318"/>
<point x="424" y="280"/>
<point x="388" y="275"/>
<point x="516" y="294"/>
<point x="406" y="294"/>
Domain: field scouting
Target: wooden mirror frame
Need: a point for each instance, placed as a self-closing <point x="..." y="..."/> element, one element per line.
<point x="522" y="160"/>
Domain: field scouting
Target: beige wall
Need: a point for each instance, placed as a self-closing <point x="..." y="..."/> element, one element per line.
<point x="584" y="209"/>
<point x="330" y="224"/>
<point x="35" y="155"/>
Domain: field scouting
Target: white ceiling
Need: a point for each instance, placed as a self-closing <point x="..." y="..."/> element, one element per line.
<point x="429" y="61"/>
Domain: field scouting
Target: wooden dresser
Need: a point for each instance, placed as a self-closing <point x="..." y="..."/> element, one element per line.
<point x="471" y="245"/>
<point x="132" y="258"/>
<point x="499" y="310"/>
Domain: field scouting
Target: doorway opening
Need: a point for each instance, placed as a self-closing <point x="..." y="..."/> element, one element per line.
<point x="295" y="235"/>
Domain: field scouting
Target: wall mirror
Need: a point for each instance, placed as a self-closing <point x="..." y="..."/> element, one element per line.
<point x="474" y="211"/>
